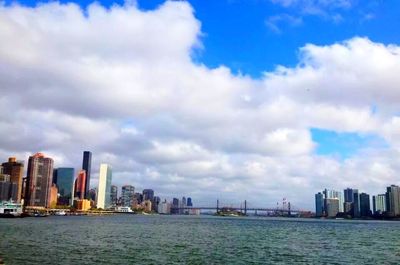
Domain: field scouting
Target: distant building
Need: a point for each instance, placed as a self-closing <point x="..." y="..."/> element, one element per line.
<point x="114" y="195"/>
<point x="5" y="187"/>
<point x="87" y="166"/>
<point x="175" y="206"/>
<point x="393" y="200"/>
<point x="164" y="207"/>
<point x="189" y="202"/>
<point x="349" y="194"/>
<point x="146" y="205"/>
<point x="365" y="206"/>
<point x="53" y="196"/>
<point x="138" y="197"/>
<point x="333" y="194"/>
<point x="127" y="195"/>
<point x="63" y="177"/>
<point x="154" y="203"/>
<point x="332" y="207"/>
<point x="319" y="204"/>
<point x="15" y="169"/>
<point x="80" y="185"/>
<point x="93" y="194"/>
<point x="104" y="189"/>
<point x="82" y="205"/>
<point x="39" y="180"/>
<point x="148" y="194"/>
<point x="379" y="203"/>
<point x="356" y="205"/>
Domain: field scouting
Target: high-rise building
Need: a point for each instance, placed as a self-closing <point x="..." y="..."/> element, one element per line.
<point x="114" y="195"/>
<point x="148" y="194"/>
<point x="319" y="204"/>
<point x="5" y="186"/>
<point x="138" y="197"/>
<point x="15" y="169"/>
<point x="87" y="165"/>
<point x="53" y="195"/>
<point x="63" y="177"/>
<point x="39" y="180"/>
<point x="175" y="206"/>
<point x="393" y="200"/>
<point x="164" y="207"/>
<point x="365" y="207"/>
<point x="93" y="194"/>
<point x="332" y="207"/>
<point x="104" y="190"/>
<point x="333" y="194"/>
<point x="356" y="205"/>
<point x="189" y="202"/>
<point x="379" y="203"/>
<point x="155" y="203"/>
<point x="80" y="185"/>
<point x="127" y="195"/>
<point x="348" y="194"/>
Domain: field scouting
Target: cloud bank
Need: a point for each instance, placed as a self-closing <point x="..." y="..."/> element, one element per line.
<point x="122" y="83"/>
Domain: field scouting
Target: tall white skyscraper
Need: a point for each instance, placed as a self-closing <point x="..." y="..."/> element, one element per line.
<point x="104" y="190"/>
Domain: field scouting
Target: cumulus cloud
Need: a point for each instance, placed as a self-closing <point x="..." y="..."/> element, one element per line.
<point x="121" y="82"/>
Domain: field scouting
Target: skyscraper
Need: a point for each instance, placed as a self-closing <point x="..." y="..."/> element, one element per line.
<point x="319" y="204"/>
<point x="365" y="207"/>
<point x="104" y="190"/>
<point x="333" y="194"/>
<point x="393" y="200"/>
<point x="5" y="186"/>
<point x="87" y="165"/>
<point x="127" y="195"/>
<point x="114" y="195"/>
<point x="64" y="178"/>
<point x="39" y="180"/>
<point x="15" y="169"/>
<point x="148" y="194"/>
<point x="155" y="203"/>
<point x="379" y="203"/>
<point x="189" y="202"/>
<point x="356" y="204"/>
<point x="80" y="185"/>
<point x="332" y="207"/>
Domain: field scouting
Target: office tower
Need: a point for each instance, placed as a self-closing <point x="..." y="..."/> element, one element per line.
<point x="164" y="207"/>
<point x="379" y="203"/>
<point x="175" y="206"/>
<point x="87" y="165"/>
<point x="114" y="195"/>
<point x="148" y="194"/>
<point x="319" y="204"/>
<point x="365" y="207"/>
<point x="189" y="202"/>
<point x="5" y="185"/>
<point x="63" y="177"/>
<point x="39" y="180"/>
<point x="93" y="194"/>
<point x="104" y="189"/>
<point x="393" y="200"/>
<point x="333" y="194"/>
<point x="15" y="169"/>
<point x="348" y="195"/>
<point x="127" y="195"/>
<point x="332" y="207"/>
<point x="138" y="197"/>
<point x="356" y="205"/>
<point x="155" y="202"/>
<point x="80" y="185"/>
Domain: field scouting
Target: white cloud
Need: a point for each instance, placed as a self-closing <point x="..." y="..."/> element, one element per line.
<point x="121" y="82"/>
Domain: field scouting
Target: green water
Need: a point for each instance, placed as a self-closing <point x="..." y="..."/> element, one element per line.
<point x="132" y="239"/>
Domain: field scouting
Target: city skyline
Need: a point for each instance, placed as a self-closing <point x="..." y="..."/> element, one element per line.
<point x="181" y="97"/>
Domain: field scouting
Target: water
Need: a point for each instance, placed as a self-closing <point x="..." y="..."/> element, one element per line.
<point x="135" y="239"/>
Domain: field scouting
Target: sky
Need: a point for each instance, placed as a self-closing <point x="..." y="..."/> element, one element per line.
<point x="235" y="100"/>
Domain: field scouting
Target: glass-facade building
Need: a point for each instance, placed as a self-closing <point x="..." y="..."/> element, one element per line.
<point x="87" y="165"/>
<point x="64" y="179"/>
<point x="127" y="195"/>
<point x="319" y="204"/>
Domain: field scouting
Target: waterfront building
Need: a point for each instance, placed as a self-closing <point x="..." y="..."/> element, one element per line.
<point x="53" y="196"/>
<point x="63" y="177"/>
<point x="164" y="207"/>
<point x="348" y="208"/>
<point x="349" y="194"/>
<point x="393" y="200"/>
<point x="332" y="207"/>
<point x="379" y="203"/>
<point x="183" y="205"/>
<point x="114" y="195"/>
<point x="93" y="194"/>
<point x="155" y="202"/>
<point x="365" y="207"/>
<point x="87" y="165"/>
<point x="175" y="206"/>
<point x="39" y="180"/>
<point x="148" y="194"/>
<point x="189" y="202"/>
<point x="146" y="206"/>
<point x="333" y="194"/>
<point x="82" y="204"/>
<point x="138" y="197"/>
<point x="5" y="186"/>
<point x="80" y="185"/>
<point x="104" y="188"/>
<point x="319" y="204"/>
<point x="127" y="195"/>
<point x="356" y="205"/>
<point x="15" y="169"/>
